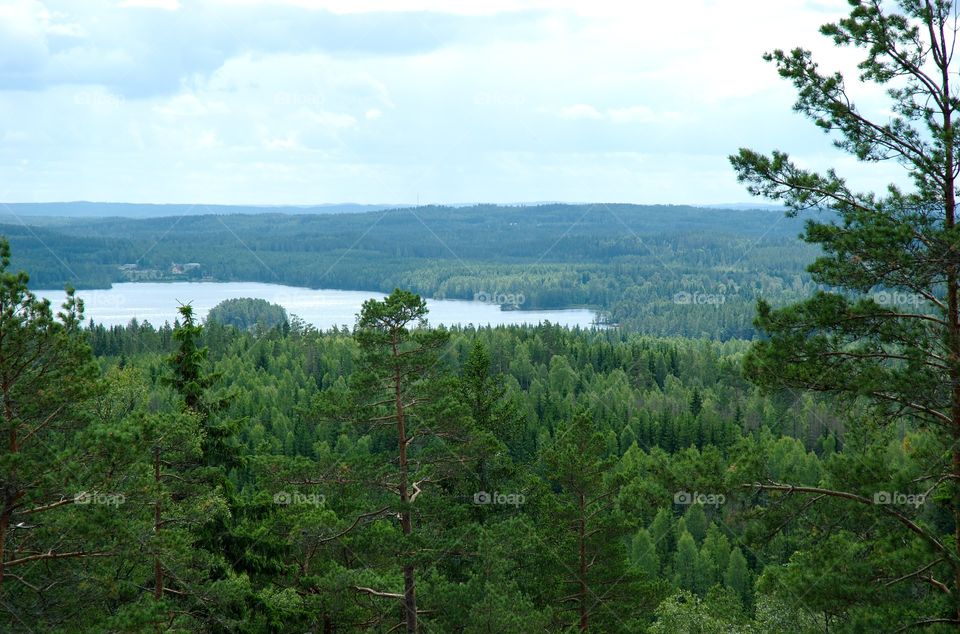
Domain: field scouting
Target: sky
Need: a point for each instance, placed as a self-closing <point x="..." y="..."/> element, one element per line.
<point x="399" y="101"/>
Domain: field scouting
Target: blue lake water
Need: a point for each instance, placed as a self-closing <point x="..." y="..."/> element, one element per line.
<point x="157" y="303"/>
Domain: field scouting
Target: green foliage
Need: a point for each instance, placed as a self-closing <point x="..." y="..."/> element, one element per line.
<point x="884" y="331"/>
<point x="50" y="460"/>
<point x="687" y="567"/>
<point x="248" y="314"/>
<point x="737" y="576"/>
<point x="524" y="509"/>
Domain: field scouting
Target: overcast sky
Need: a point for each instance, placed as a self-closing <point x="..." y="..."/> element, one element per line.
<point x="385" y="101"/>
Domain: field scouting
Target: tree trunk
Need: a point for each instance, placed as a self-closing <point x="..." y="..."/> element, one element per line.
<point x="409" y="580"/>
<point x="10" y="495"/>
<point x="953" y="310"/>
<point x="582" y="546"/>
<point x="157" y="566"/>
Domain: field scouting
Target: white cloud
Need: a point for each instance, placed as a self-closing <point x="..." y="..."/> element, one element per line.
<point x="189" y="105"/>
<point x="372" y="100"/>
<point x="630" y="114"/>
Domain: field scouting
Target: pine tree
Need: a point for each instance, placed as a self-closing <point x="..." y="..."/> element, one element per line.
<point x="590" y="534"/>
<point x="661" y="530"/>
<point x="407" y="443"/>
<point x="715" y="553"/>
<point x="229" y="535"/>
<point x="193" y="381"/>
<point x="695" y="521"/>
<point x="696" y="402"/>
<point x="643" y="554"/>
<point x="494" y="415"/>
<point x="888" y="329"/>
<point x="57" y="503"/>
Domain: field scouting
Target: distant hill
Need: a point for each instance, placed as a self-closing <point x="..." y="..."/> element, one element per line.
<point x="660" y="269"/>
<point x="83" y="209"/>
<point x="753" y="206"/>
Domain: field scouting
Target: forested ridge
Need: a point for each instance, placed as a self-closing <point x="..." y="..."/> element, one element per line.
<point x="636" y="264"/>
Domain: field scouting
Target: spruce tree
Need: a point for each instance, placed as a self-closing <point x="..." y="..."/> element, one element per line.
<point x="737" y="575"/>
<point x="686" y="564"/>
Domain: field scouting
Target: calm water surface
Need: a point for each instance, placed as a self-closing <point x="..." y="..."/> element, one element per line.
<point x="157" y="303"/>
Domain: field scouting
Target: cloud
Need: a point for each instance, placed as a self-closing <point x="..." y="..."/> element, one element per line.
<point x="141" y="53"/>
<point x="305" y="101"/>
<point x="334" y="119"/>
<point x="641" y="114"/>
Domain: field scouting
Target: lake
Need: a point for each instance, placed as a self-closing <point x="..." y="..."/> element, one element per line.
<point x="157" y="303"/>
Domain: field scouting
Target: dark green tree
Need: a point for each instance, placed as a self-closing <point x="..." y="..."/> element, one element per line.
<point x="415" y="450"/>
<point x="57" y="502"/>
<point x="248" y="314"/>
<point x="192" y="379"/>
<point x="887" y="329"/>
<point x="588" y="534"/>
<point x="230" y="538"/>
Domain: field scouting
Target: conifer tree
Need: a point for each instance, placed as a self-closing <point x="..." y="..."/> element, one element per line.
<point x="686" y="563"/>
<point x="58" y="506"/>
<point x="643" y="554"/>
<point x="887" y="328"/>
<point x="737" y="575"/>
<point x="590" y="543"/>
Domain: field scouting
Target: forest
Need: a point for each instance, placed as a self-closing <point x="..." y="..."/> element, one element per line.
<point x="205" y="477"/>
<point x="785" y="460"/>
<point x="644" y="267"/>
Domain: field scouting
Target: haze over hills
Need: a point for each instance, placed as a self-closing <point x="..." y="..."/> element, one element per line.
<point x="88" y="209"/>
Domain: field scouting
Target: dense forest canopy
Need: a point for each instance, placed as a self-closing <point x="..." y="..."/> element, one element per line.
<point x="299" y="540"/>
<point x="248" y="313"/>
<point x="269" y="458"/>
